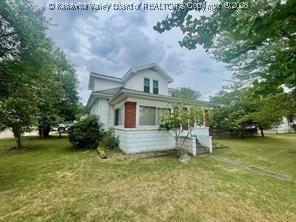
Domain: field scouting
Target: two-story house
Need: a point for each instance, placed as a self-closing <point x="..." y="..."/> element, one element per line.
<point x="133" y="105"/>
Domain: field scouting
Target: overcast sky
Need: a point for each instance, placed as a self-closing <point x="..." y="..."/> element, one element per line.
<point x="112" y="42"/>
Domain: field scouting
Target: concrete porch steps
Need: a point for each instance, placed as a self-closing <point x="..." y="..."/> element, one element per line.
<point x="200" y="150"/>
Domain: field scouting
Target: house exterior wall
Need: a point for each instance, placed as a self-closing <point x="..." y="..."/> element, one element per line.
<point x="101" y="108"/>
<point x="189" y="145"/>
<point x="102" y="84"/>
<point x="284" y="127"/>
<point x="202" y="134"/>
<point x="136" y="82"/>
<point x="139" y="140"/>
<point x="111" y="116"/>
<point x="144" y="140"/>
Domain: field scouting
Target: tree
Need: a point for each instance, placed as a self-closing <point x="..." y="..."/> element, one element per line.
<point x="24" y="51"/>
<point x="69" y="100"/>
<point x="187" y="93"/>
<point x="30" y="82"/>
<point x="255" y="38"/>
<point x="61" y="103"/>
<point x="182" y="117"/>
<point x="241" y="108"/>
<point x="18" y="104"/>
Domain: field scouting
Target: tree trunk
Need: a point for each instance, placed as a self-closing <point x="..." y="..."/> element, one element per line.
<point x="18" y="144"/>
<point x="261" y="130"/>
<point x="183" y="157"/>
<point x="242" y="132"/>
<point x="44" y="131"/>
<point x="17" y="135"/>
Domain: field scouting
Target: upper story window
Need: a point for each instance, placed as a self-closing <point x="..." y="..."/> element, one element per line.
<point x="147" y="85"/>
<point x="155" y="87"/>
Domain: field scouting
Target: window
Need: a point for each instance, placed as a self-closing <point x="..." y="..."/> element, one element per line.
<point x="155" y="87"/>
<point x="162" y="112"/>
<point x="118" y="117"/>
<point x="147" y="116"/>
<point x="147" y="85"/>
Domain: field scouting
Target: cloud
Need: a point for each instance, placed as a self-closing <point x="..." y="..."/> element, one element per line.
<point x="111" y="43"/>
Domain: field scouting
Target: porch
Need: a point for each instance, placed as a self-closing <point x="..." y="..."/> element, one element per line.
<point x="138" y="140"/>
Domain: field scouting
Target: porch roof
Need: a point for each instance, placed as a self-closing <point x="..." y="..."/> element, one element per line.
<point x="124" y="93"/>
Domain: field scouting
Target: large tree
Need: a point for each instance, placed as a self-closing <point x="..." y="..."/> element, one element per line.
<point x="24" y="64"/>
<point x="31" y="86"/>
<point x="255" y="38"/>
<point x="61" y="99"/>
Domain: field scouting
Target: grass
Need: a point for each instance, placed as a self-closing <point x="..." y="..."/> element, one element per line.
<point x="49" y="181"/>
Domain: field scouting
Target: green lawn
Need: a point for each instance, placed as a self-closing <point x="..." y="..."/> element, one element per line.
<point x="49" y="181"/>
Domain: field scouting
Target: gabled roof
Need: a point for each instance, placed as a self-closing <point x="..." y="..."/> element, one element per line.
<point x="153" y="66"/>
<point x="130" y="73"/>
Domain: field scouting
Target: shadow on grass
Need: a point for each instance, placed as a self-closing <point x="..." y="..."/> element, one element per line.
<point x="34" y="144"/>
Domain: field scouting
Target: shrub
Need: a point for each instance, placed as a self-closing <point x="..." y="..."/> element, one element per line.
<point x="109" y="140"/>
<point x="86" y="133"/>
<point x="293" y="126"/>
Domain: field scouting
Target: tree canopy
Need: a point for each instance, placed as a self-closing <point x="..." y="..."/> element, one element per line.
<point x="187" y="93"/>
<point x="255" y="38"/>
<point x="243" y="108"/>
<point x="36" y="79"/>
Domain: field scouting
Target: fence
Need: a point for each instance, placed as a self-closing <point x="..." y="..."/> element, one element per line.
<point x="233" y="133"/>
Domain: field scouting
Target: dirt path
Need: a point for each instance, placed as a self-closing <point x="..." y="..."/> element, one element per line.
<point x="258" y="169"/>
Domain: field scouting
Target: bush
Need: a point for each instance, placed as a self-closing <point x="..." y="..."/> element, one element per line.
<point x="86" y="133"/>
<point x="109" y="140"/>
<point x="293" y="126"/>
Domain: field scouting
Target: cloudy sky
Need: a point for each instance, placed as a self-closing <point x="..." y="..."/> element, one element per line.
<point x="112" y="42"/>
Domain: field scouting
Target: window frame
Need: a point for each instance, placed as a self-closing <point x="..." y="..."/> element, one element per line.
<point x="155" y="88"/>
<point x="145" y="87"/>
<point x="155" y="119"/>
<point x="118" y="121"/>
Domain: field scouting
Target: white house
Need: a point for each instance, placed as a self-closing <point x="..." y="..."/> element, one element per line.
<point x="284" y="127"/>
<point x="133" y="104"/>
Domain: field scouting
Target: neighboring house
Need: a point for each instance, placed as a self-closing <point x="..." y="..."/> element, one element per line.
<point x="133" y="104"/>
<point x="285" y="127"/>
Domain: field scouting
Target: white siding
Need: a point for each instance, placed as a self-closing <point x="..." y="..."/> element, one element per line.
<point x="147" y="140"/>
<point x="111" y="116"/>
<point x="101" y="84"/>
<point x="284" y="127"/>
<point x="136" y="82"/>
<point x="101" y="108"/>
<point x="137" y="141"/>
<point x="189" y="145"/>
<point x="203" y="136"/>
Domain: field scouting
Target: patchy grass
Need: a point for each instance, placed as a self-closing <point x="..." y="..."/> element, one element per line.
<point x="50" y="181"/>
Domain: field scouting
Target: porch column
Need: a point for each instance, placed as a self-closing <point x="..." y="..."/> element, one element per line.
<point x="130" y="114"/>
